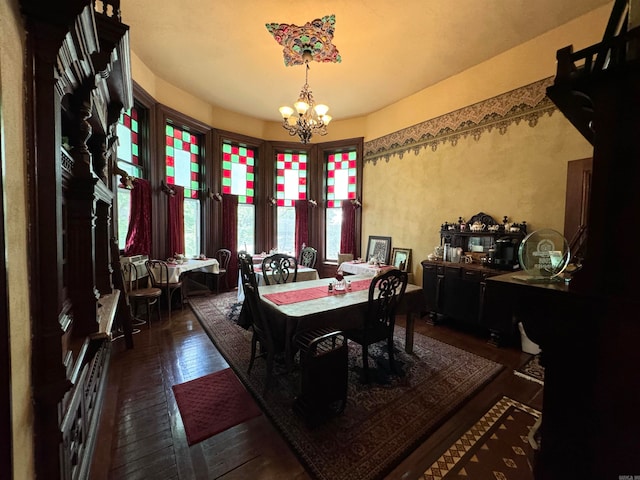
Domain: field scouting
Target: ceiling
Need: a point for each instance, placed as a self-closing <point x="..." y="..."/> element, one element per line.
<point x="221" y="51"/>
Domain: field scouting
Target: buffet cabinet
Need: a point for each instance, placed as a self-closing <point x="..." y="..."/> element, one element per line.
<point x="78" y="81"/>
<point x="458" y="291"/>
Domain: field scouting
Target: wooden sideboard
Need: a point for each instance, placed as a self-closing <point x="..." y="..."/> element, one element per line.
<point x="458" y="291"/>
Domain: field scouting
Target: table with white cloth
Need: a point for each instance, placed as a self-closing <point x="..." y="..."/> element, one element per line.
<point x="176" y="269"/>
<point x="342" y="311"/>
<point x="362" y="268"/>
<point x="304" y="274"/>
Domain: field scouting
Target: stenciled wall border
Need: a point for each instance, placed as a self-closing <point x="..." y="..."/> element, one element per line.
<point x="527" y="103"/>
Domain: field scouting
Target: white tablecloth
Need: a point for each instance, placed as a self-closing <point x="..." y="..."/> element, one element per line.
<point x="175" y="270"/>
<point x="304" y="274"/>
<point x="366" y="269"/>
<point x="359" y="268"/>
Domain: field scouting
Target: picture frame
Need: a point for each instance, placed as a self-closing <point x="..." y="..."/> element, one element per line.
<point x="379" y="247"/>
<point x="401" y="258"/>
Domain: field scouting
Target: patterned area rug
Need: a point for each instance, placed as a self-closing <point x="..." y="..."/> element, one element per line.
<point x="213" y="403"/>
<point x="496" y="447"/>
<point x="532" y="370"/>
<point x="382" y="422"/>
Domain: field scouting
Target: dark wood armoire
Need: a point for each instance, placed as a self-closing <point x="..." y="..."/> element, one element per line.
<point x="77" y="81"/>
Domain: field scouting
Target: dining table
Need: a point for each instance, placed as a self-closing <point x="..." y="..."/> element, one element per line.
<point x="299" y="306"/>
<point x="362" y="268"/>
<point x="175" y="269"/>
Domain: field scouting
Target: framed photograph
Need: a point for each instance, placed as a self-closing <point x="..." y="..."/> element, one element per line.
<point x="401" y="258"/>
<point x="379" y="248"/>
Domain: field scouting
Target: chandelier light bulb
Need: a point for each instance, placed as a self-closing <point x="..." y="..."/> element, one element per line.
<point x="321" y="109"/>
<point x="301" y="107"/>
<point x="286" y="112"/>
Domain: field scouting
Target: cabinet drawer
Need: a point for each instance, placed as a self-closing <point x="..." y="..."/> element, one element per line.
<point x="451" y="272"/>
<point x="433" y="268"/>
<point x="472" y="275"/>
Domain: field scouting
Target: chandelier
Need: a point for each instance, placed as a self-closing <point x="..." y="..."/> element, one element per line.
<point x="308" y="118"/>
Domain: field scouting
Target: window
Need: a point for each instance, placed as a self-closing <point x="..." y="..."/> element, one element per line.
<point x="238" y="178"/>
<point x="291" y="185"/>
<point x="182" y="157"/>
<point x="128" y="132"/>
<point x="341" y="181"/>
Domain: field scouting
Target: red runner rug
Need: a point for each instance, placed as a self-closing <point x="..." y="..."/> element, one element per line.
<point x="312" y="293"/>
<point x="211" y="404"/>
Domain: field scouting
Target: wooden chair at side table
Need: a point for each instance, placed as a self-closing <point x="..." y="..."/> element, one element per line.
<point x="159" y="274"/>
<point x="385" y="293"/>
<point x="223" y="255"/>
<point x="308" y="257"/>
<point x="279" y="268"/>
<point x="344" y="257"/>
<point x="136" y="293"/>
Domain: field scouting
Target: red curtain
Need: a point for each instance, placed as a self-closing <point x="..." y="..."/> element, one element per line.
<point x="175" y="210"/>
<point x="139" y="234"/>
<point x="302" y="225"/>
<point x="348" y="230"/>
<point x="230" y="232"/>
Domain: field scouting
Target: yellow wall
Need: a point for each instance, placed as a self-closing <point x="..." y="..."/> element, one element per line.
<point x="521" y="174"/>
<point x="13" y="155"/>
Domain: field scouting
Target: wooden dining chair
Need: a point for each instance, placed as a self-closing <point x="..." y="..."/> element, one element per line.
<point x="245" y="267"/>
<point x="279" y="268"/>
<point x="223" y="255"/>
<point x="344" y="257"/>
<point x="269" y="346"/>
<point x="136" y="293"/>
<point x="159" y="274"/>
<point x="324" y="374"/>
<point x="308" y="257"/>
<point x="385" y="293"/>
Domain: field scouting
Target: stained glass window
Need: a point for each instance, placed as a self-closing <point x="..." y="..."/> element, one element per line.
<point x="291" y="178"/>
<point x="182" y="160"/>
<point x="341" y="178"/>
<point x="182" y="154"/>
<point x="238" y="178"/>
<point x="238" y="172"/>
<point x="129" y="160"/>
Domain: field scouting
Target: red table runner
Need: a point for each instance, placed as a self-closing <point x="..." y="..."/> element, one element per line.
<point x="295" y="296"/>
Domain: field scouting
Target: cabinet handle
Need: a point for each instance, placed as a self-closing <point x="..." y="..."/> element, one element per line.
<point x="483" y="287"/>
<point x="438" y="292"/>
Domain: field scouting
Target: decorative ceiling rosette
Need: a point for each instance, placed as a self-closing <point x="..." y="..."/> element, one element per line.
<point x="312" y="41"/>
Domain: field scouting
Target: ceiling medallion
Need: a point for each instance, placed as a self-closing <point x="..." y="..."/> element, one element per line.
<point x="313" y="38"/>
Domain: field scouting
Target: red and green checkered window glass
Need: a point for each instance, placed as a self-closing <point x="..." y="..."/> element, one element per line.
<point x="128" y="132"/>
<point x="238" y="172"/>
<point x="341" y="178"/>
<point x="291" y="178"/>
<point x="182" y="155"/>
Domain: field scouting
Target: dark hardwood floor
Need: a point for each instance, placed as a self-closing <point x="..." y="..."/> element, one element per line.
<point x="142" y="437"/>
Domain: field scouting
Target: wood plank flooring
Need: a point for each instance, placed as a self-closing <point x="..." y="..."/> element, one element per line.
<point x="142" y="437"/>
